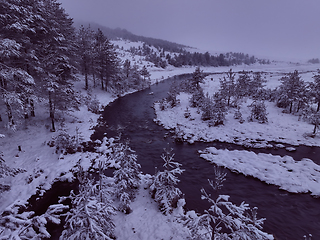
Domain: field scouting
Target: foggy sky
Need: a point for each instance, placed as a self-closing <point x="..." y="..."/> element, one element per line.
<point x="281" y="29"/>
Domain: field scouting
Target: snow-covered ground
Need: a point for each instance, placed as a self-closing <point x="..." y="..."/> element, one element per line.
<point x="290" y="175"/>
<point x="281" y="127"/>
<point x="40" y="166"/>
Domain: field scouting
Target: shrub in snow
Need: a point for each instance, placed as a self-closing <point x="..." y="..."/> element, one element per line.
<point x="16" y="224"/>
<point x="126" y="178"/>
<point x="64" y="142"/>
<point x="90" y="216"/>
<point x="169" y="102"/>
<point x="225" y="220"/>
<point x="93" y="104"/>
<point x="258" y="112"/>
<point x="238" y="115"/>
<point x="163" y="187"/>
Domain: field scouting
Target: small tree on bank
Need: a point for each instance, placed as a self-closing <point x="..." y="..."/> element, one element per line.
<point x="163" y="187"/>
<point x="258" y="112"/>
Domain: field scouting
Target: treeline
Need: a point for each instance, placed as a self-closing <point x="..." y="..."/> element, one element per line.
<point x="41" y="55"/>
<point x="181" y="57"/>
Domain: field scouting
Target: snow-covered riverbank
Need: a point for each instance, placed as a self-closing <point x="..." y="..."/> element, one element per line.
<point x="290" y="175"/>
<point x="281" y="127"/>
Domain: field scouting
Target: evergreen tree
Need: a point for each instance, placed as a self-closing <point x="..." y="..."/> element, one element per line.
<point x="90" y="216"/>
<point x="291" y="90"/>
<point x="106" y="61"/>
<point x="84" y="44"/>
<point x="258" y="112"/>
<point x="257" y="84"/>
<point x="227" y="86"/>
<point x="145" y="73"/>
<point x="224" y="219"/>
<point x="126" y="178"/>
<point x="16" y="223"/>
<point x="243" y="84"/>
<point x="163" y="187"/>
<point x="197" y="78"/>
<point x="315" y="89"/>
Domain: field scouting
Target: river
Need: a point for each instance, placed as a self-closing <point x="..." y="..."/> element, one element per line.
<point x="289" y="216"/>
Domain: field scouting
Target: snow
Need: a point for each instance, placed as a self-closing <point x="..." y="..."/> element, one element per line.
<point x="290" y="175"/>
<point x="281" y="127"/>
<point x="146" y="221"/>
<point x="42" y="166"/>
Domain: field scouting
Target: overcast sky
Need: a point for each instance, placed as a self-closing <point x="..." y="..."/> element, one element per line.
<point x="282" y="29"/>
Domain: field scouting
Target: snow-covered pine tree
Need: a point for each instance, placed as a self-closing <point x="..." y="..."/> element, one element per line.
<point x="90" y="216"/>
<point x="163" y="187"/>
<point x="214" y="110"/>
<point x="291" y="91"/>
<point x="315" y="89"/>
<point x="16" y="223"/>
<point x="106" y="61"/>
<point x="257" y="85"/>
<point x="227" y="86"/>
<point x="225" y="220"/>
<point x="197" y="78"/>
<point x="126" y="178"/>
<point x="258" y="112"/>
<point x="145" y="73"/>
<point x="243" y="84"/>
<point x="85" y="41"/>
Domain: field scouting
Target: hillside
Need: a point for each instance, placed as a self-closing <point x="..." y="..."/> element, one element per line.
<point x="164" y="53"/>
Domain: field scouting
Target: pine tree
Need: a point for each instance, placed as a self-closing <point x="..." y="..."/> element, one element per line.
<point x="243" y="84"/>
<point x="224" y="219"/>
<point x="126" y="178"/>
<point x="315" y="89"/>
<point x="106" y="62"/>
<point x="16" y="223"/>
<point x="90" y="216"/>
<point x="145" y="73"/>
<point x="84" y="45"/>
<point x="197" y="78"/>
<point x="227" y="86"/>
<point x="258" y="112"/>
<point x="163" y="187"/>
<point x="291" y="90"/>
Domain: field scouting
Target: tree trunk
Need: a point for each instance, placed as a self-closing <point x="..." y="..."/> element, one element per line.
<point x="315" y="129"/>
<point x="94" y="80"/>
<point x="32" y="113"/>
<point x="25" y="108"/>
<point x="0" y="118"/>
<point x="102" y="83"/>
<point x="9" y="112"/>
<point x="51" y="109"/>
<point x="318" y="108"/>
<point x="86" y="80"/>
<point x="290" y="107"/>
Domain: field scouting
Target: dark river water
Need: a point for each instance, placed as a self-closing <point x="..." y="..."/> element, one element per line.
<point x="289" y="216"/>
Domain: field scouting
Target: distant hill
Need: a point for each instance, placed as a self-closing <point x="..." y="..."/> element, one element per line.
<point x="163" y="53"/>
<point x="114" y="34"/>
